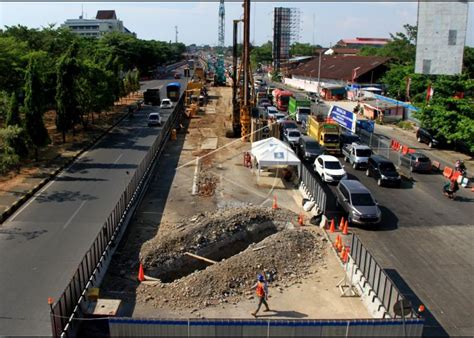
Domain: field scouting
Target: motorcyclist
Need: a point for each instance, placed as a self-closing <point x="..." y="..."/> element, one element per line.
<point x="460" y="167"/>
<point x="450" y="188"/>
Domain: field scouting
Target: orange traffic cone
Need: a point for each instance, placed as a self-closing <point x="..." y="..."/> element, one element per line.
<point x="340" y="244"/>
<point x="275" y="205"/>
<point x="336" y="243"/>
<point x="345" y="231"/>
<point x="341" y="224"/>
<point x="301" y="220"/>
<point x="332" y="228"/>
<point x="342" y="252"/>
<point x="345" y="255"/>
<point x="141" y="273"/>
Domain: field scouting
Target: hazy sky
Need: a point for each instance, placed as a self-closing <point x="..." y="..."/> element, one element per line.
<point x="321" y="23"/>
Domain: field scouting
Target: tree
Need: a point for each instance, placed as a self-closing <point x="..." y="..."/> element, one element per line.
<point x="13" y="114"/>
<point x="262" y="54"/>
<point x="302" y="49"/>
<point x="34" y="108"/>
<point x="8" y="157"/>
<point x="68" y="71"/>
<point x="468" y="61"/>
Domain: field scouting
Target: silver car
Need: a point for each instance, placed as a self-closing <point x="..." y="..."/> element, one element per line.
<point x="358" y="202"/>
<point x="292" y="136"/>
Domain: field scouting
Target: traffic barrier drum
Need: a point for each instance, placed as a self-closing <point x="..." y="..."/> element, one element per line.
<point x="448" y="172"/>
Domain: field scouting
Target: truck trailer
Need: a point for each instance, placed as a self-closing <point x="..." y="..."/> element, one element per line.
<point x="281" y="98"/>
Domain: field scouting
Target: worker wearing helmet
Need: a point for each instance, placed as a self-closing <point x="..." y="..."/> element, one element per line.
<point x="261" y="289"/>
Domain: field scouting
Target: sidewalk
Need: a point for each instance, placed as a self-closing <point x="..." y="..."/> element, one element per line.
<point x="16" y="189"/>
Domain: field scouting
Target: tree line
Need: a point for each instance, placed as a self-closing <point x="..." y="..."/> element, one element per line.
<point x="54" y="69"/>
<point x="449" y="112"/>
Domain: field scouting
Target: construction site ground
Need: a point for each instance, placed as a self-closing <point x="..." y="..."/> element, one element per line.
<point x="169" y="210"/>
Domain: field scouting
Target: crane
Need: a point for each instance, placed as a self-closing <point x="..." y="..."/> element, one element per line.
<point x="220" y="69"/>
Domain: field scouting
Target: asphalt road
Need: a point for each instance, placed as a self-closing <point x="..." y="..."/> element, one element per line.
<point x="425" y="243"/>
<point x="42" y="244"/>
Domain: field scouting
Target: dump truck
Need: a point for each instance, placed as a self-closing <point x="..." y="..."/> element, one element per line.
<point x="281" y="98"/>
<point x="152" y="96"/>
<point x="299" y="109"/>
<point x="325" y="132"/>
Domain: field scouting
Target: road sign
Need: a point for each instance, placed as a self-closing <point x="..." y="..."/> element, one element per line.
<point x="344" y="118"/>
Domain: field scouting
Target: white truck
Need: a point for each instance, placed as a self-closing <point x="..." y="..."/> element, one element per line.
<point x="356" y="154"/>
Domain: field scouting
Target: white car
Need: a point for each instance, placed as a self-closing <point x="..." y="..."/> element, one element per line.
<point x="272" y="110"/>
<point x="154" y="119"/>
<point x="166" y="104"/>
<point x="329" y="168"/>
<point x="292" y="136"/>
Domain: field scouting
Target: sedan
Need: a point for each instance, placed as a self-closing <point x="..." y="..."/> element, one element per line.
<point x="329" y="168"/>
<point x="292" y="136"/>
<point x="166" y="104"/>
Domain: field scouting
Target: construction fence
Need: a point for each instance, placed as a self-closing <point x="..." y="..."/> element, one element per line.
<point x="134" y="327"/>
<point x="313" y="188"/>
<point x="94" y="263"/>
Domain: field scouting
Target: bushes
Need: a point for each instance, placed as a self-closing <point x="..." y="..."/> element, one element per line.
<point x="406" y="125"/>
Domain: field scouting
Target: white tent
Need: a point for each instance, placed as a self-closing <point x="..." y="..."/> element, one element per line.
<point x="272" y="152"/>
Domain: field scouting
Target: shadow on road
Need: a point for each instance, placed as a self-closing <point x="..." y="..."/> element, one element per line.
<point x="64" y="196"/>
<point x="287" y="314"/>
<point x="432" y="327"/>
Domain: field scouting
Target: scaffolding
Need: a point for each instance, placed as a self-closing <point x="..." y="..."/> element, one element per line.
<point x="286" y="31"/>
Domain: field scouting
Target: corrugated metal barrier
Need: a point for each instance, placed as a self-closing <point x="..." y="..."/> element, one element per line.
<point x="313" y="188"/>
<point x="134" y="327"/>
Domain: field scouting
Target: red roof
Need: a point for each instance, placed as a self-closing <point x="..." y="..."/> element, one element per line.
<point x="106" y="15"/>
<point x="366" y="41"/>
<point x="340" y="67"/>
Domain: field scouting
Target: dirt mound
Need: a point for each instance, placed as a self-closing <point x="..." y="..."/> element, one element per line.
<point x="284" y="254"/>
<point x="216" y="236"/>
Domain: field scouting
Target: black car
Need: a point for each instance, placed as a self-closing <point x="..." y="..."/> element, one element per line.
<point x="427" y="136"/>
<point x="348" y="138"/>
<point x="383" y="170"/>
<point x="309" y="149"/>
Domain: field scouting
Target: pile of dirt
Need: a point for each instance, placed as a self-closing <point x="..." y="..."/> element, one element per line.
<point x="207" y="183"/>
<point x="244" y="242"/>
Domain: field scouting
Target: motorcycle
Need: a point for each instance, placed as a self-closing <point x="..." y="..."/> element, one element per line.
<point x="449" y="190"/>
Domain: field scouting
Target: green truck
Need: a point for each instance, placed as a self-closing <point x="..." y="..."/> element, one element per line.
<point x="299" y="109"/>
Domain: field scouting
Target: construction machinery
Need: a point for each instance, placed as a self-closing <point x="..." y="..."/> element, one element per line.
<point x="219" y="79"/>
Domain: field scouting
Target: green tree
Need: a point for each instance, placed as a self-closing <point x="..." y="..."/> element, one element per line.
<point x="262" y="54"/>
<point x="8" y="157"/>
<point x="468" y="61"/>
<point x="34" y="108"/>
<point x="302" y="49"/>
<point x="68" y="71"/>
<point x="13" y="114"/>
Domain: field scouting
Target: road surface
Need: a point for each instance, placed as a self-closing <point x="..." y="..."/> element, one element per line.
<point x="42" y="244"/>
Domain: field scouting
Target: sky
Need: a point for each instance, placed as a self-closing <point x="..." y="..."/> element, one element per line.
<point x="322" y="23"/>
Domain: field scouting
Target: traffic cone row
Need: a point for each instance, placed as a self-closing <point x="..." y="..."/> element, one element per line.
<point x="332" y="227"/>
<point x="345" y="230"/>
<point x="343" y="226"/>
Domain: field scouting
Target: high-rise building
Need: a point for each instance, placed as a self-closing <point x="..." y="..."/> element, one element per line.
<point x="442" y="28"/>
<point x="104" y="22"/>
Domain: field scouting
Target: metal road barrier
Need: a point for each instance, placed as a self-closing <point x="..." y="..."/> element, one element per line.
<point x="380" y="146"/>
<point x="375" y="275"/>
<point x="313" y="188"/>
<point x="94" y="263"/>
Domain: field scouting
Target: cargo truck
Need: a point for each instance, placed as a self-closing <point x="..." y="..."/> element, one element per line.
<point x="325" y="132"/>
<point x="299" y="109"/>
<point x="281" y="99"/>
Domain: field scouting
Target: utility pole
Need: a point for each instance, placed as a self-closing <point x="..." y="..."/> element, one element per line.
<point x="176" y="34"/>
<point x="235" y="104"/>
<point x="245" y="102"/>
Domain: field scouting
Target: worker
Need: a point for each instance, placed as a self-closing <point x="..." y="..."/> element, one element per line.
<point x="261" y="289"/>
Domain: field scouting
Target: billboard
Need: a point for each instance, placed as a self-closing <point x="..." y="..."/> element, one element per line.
<point x="442" y="29"/>
<point x="344" y="118"/>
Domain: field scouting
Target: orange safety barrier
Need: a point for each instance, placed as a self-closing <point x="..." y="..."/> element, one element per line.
<point x="455" y="175"/>
<point x="404" y="150"/>
<point x="411" y="151"/>
<point x="448" y="172"/>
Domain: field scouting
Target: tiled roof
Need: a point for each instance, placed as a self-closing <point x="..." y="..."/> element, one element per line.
<point x="106" y="15"/>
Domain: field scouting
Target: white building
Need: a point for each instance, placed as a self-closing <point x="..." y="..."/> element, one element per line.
<point x="104" y="22"/>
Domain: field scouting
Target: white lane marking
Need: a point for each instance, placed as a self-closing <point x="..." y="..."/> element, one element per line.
<point x="74" y="215"/>
<point x="31" y="200"/>
<point x="118" y="158"/>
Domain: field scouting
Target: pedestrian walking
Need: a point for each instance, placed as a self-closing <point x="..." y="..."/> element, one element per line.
<point x="261" y="289"/>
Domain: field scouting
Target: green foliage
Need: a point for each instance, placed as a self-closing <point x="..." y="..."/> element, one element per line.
<point x="12" y="146"/>
<point x="262" y="54"/>
<point x="67" y="90"/>
<point x="13" y="114"/>
<point x="275" y="76"/>
<point x="34" y="108"/>
<point x="407" y="125"/>
<point x="302" y="49"/>
<point x="468" y="61"/>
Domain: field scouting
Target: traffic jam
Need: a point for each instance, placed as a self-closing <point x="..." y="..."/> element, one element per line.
<point x="336" y="148"/>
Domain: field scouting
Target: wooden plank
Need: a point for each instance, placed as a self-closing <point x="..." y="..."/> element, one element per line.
<point x="200" y="257"/>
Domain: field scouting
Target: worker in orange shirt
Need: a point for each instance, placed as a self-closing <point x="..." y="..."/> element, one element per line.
<point x="261" y="289"/>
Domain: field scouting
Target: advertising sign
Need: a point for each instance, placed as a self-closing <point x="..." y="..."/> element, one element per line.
<point x="344" y="118"/>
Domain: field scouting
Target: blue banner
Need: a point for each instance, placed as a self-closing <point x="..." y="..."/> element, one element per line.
<point x="344" y="118"/>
